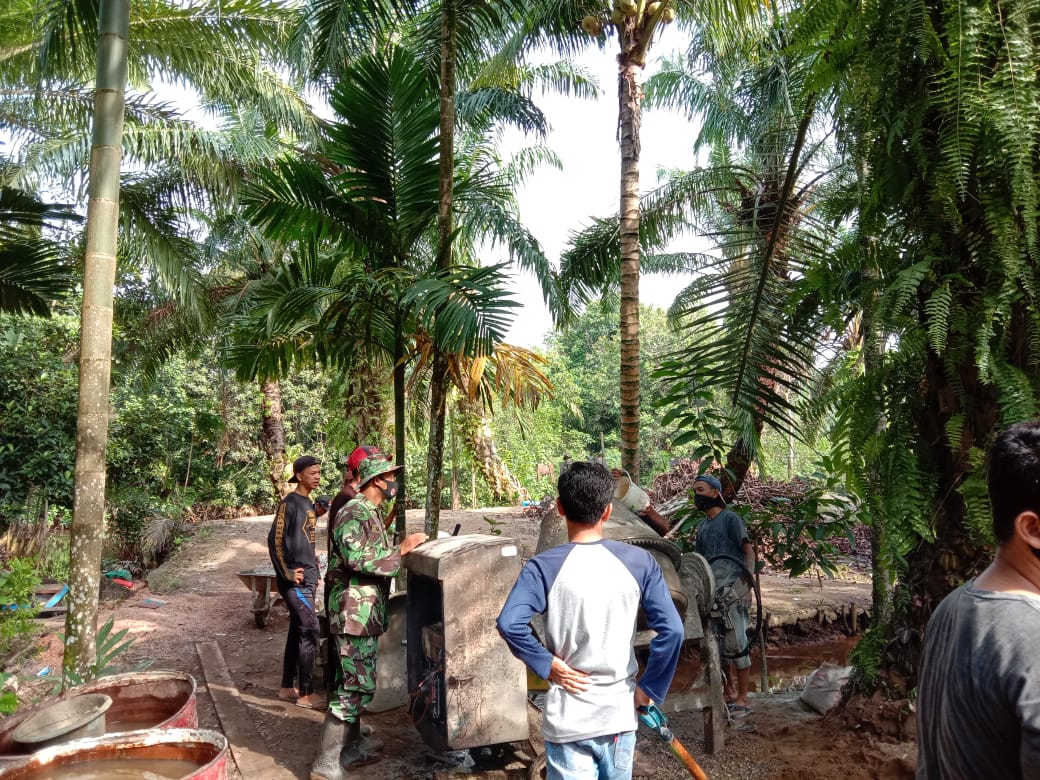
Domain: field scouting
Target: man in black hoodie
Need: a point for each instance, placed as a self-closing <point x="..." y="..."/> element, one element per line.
<point x="290" y="543"/>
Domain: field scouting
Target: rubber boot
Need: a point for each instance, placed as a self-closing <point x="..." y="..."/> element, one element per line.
<point x="353" y="754"/>
<point x="368" y="745"/>
<point x="334" y="733"/>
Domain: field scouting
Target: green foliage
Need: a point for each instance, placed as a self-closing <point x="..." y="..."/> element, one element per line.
<point x="795" y="535"/>
<point x="18" y="604"/>
<point x="130" y="511"/>
<point x="37" y="410"/>
<point x="585" y="361"/>
<point x="55" y="560"/>
<point x="978" y="514"/>
<point x="109" y="647"/>
<point x="867" y="658"/>
<point x="494" y="525"/>
<point x="189" y="436"/>
<point x="8" y="698"/>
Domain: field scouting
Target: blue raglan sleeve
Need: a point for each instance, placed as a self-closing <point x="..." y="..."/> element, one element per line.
<point x="662" y="617"/>
<point x="527" y="598"/>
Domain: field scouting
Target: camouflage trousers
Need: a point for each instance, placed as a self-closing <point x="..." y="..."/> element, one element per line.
<point x="357" y="684"/>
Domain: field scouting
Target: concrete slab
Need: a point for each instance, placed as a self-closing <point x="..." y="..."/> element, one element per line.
<point x="246" y="747"/>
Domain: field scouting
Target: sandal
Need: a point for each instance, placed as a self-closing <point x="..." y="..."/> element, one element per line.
<point x="738" y="710"/>
<point x="319" y="704"/>
<point x="287" y="696"/>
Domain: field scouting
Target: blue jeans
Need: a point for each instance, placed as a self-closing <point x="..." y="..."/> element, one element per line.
<point x="600" y="758"/>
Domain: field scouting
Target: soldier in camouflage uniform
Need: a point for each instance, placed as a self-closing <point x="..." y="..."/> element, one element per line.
<point x="362" y="563"/>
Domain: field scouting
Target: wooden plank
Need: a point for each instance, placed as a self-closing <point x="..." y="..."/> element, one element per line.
<point x="246" y="746"/>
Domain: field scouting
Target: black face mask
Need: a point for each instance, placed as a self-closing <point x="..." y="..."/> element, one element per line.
<point x="704" y="503"/>
<point x="390" y="490"/>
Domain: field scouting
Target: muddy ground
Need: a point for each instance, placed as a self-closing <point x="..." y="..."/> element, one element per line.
<point x="207" y="611"/>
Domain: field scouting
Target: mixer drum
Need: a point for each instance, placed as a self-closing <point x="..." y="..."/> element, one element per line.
<point x="668" y="557"/>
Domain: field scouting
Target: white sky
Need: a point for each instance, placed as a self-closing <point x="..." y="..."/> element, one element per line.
<point x="555" y="203"/>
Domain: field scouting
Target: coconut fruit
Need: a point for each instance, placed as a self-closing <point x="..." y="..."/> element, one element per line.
<point x="628" y="7"/>
<point x="591" y="25"/>
<point x="618" y="17"/>
<point x="652" y="8"/>
<point x="668" y="15"/>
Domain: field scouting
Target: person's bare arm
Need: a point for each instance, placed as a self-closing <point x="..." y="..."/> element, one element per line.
<point x="655" y="520"/>
<point x="641" y="699"/>
<point x="749" y="556"/>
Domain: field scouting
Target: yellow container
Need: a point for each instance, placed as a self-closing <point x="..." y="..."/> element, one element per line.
<point x="536" y="683"/>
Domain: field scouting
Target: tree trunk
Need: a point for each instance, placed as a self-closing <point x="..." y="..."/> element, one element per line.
<point x="738" y="463"/>
<point x="882" y="576"/>
<point x="439" y="379"/>
<point x="456" y="499"/>
<point x="504" y="486"/>
<point x="629" y="99"/>
<point x="934" y="569"/>
<point x="273" y="437"/>
<point x="435" y="447"/>
<point x="400" y="521"/>
<point x="365" y="405"/>
<point x="88" y="511"/>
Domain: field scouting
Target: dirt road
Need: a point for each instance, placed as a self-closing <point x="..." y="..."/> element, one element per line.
<point x="207" y="613"/>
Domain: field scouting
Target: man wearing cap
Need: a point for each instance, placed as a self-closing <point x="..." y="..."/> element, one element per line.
<point x="290" y="543"/>
<point x="362" y="564"/>
<point x="347" y="491"/>
<point x="321" y="506"/>
<point x="722" y="532"/>
<point x="349" y="487"/>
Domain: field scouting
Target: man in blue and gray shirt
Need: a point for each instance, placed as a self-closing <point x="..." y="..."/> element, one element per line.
<point x="589" y="591"/>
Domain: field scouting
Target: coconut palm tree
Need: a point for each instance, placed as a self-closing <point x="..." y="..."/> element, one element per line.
<point x="45" y="61"/>
<point x="88" y="511"/>
<point x="771" y="165"/>
<point x="635" y="24"/>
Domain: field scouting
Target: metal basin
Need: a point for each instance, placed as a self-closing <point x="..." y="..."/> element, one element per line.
<point x="64" y="721"/>
<point x="194" y="753"/>
<point x="140" y="700"/>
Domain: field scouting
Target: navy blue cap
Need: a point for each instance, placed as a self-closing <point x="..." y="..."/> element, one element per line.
<point x="709" y="479"/>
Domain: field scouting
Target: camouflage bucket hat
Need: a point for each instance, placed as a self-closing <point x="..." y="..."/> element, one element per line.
<point x="375" y="466"/>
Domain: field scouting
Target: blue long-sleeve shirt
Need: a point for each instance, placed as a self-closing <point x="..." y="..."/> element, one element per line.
<point x="590" y="595"/>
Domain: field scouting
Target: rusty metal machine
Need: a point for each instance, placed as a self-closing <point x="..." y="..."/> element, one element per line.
<point x="467" y="688"/>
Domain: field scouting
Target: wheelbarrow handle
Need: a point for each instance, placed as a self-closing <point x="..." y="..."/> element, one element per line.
<point x="652" y="717"/>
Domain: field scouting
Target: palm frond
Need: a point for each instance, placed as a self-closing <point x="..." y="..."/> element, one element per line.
<point x="466" y="310"/>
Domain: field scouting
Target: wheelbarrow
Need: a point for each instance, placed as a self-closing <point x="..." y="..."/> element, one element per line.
<point x="262" y="584"/>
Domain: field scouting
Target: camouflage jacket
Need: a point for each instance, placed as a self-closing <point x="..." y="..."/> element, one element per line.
<point x="361" y="565"/>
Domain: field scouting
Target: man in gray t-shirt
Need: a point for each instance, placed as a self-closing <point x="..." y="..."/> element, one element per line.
<point x="722" y="532"/>
<point x="978" y="708"/>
